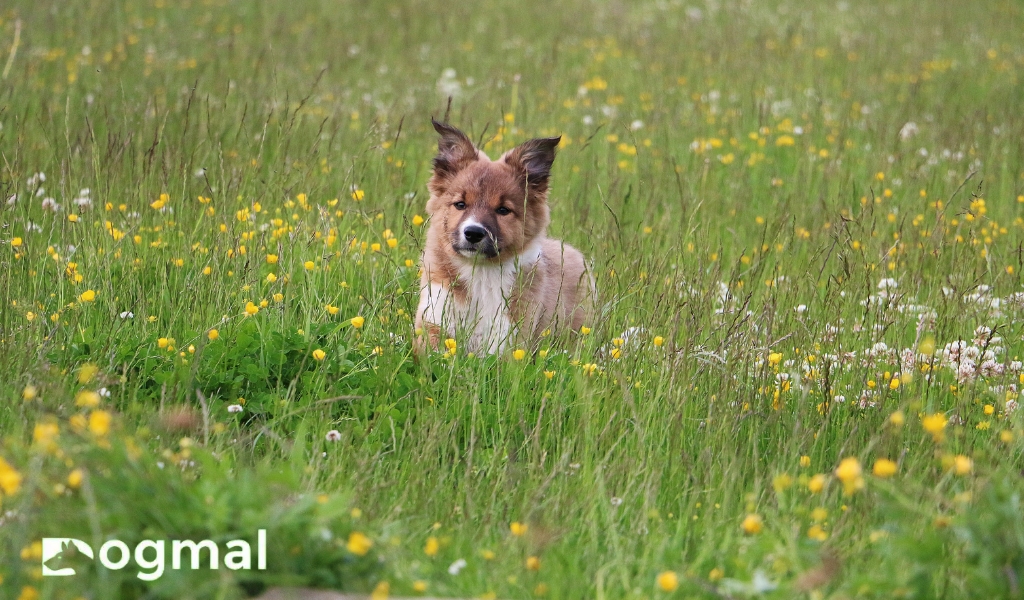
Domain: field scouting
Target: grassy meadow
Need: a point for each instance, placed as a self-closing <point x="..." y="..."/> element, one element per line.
<point x="806" y="224"/>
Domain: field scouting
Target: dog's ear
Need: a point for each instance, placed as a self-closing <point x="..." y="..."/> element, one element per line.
<point x="532" y="161"/>
<point x="454" y="152"/>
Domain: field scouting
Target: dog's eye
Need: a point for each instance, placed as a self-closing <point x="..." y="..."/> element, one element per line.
<point x="503" y="210"/>
<point x="460" y="205"/>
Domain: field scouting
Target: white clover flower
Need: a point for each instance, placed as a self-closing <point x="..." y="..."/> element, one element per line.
<point x="448" y="85"/>
<point x="908" y="359"/>
<point x="457" y="566"/>
<point x="865" y="399"/>
<point x="235" y="408"/>
<point x="82" y="199"/>
<point x="333" y="435"/>
<point x="991" y="368"/>
<point x="908" y="130"/>
<point x="953" y="351"/>
<point x="1016" y="300"/>
<point x="966" y="370"/>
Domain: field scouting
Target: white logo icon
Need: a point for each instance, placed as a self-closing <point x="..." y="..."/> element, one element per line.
<point x="55" y="549"/>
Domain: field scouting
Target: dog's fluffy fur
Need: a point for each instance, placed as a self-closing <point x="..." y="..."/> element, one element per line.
<point x="489" y="271"/>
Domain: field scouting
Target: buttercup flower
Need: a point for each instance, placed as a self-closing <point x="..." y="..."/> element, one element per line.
<point x="668" y="581"/>
<point x="850" y="473"/>
<point x="884" y="468"/>
<point x="752" y="524"/>
<point x="358" y="543"/>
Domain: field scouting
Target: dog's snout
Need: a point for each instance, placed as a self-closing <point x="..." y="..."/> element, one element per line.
<point x="474" y="233"/>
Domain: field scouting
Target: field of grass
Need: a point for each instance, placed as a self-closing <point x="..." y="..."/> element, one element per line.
<point x="806" y="223"/>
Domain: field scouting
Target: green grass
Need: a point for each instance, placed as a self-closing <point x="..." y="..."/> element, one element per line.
<point x="742" y="176"/>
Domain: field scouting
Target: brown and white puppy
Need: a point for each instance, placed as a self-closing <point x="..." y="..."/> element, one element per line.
<point x="491" y="277"/>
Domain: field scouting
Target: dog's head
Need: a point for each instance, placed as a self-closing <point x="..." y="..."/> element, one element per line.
<point x="488" y="209"/>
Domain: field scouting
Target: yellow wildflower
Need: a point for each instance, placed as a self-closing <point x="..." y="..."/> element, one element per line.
<point x="87" y="398"/>
<point x="668" y="581"/>
<point x="935" y="424"/>
<point x="884" y="468"/>
<point x="817" y="483"/>
<point x="431" y="547"/>
<point x="753" y="524"/>
<point x="87" y="372"/>
<point x="359" y="544"/>
<point x="99" y="422"/>
<point x="962" y="465"/>
<point x="45" y="435"/>
<point x="10" y="478"/>
<point x="850" y="472"/>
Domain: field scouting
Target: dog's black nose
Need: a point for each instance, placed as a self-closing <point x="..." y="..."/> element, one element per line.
<point x="474" y="233"/>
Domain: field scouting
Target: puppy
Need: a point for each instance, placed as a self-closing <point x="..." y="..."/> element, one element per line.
<point x="491" y="277"/>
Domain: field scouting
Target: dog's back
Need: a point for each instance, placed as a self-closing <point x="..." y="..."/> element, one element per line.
<point x="558" y="292"/>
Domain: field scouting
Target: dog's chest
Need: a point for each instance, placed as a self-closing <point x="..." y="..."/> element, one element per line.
<point x="483" y="312"/>
<point x="479" y="316"/>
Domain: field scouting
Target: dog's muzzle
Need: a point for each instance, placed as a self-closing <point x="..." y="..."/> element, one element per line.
<point x="475" y="239"/>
